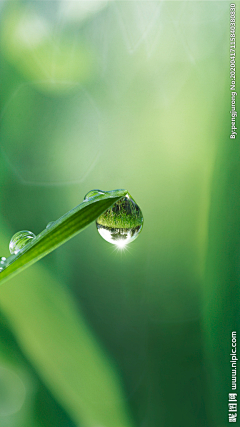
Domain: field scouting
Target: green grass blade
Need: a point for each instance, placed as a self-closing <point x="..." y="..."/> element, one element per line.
<point x="60" y="231"/>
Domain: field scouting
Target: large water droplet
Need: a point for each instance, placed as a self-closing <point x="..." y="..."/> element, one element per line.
<point x="19" y="240"/>
<point x="93" y="193"/>
<point x="122" y="223"/>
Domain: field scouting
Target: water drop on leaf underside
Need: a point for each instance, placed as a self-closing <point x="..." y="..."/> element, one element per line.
<point x="122" y="223"/>
<point x="19" y="240"/>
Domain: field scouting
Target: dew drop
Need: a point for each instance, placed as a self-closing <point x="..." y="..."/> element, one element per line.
<point x="2" y="263"/>
<point x="49" y="224"/>
<point x="93" y="193"/>
<point x="19" y="240"/>
<point x="122" y="223"/>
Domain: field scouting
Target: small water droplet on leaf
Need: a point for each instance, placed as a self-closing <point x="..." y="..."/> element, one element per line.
<point x="122" y="223"/>
<point x="93" y="193"/>
<point x="49" y="224"/>
<point x="19" y="240"/>
<point x="2" y="263"/>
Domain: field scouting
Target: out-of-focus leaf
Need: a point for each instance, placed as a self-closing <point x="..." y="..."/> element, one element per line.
<point x="54" y="336"/>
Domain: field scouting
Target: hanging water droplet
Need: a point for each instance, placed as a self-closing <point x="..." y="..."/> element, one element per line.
<point x="93" y="193"/>
<point x="122" y="223"/>
<point x="19" y="240"/>
<point x="49" y="224"/>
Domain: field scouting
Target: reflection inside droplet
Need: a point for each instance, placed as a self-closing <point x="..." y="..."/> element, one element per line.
<point x="19" y="240"/>
<point x="119" y="236"/>
<point x="122" y="223"/>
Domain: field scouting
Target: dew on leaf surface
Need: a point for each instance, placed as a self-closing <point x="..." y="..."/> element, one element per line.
<point x="19" y="240"/>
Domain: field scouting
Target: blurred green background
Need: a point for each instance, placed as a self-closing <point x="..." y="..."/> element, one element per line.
<point x="110" y="95"/>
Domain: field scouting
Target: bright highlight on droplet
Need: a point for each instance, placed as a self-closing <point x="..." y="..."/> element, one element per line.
<point x="19" y="240"/>
<point x="121" y="244"/>
<point x="122" y="223"/>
